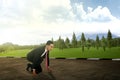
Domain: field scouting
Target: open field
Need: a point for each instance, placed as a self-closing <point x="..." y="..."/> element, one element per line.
<point x="92" y="53"/>
<point x="14" y="69"/>
<point x="72" y="53"/>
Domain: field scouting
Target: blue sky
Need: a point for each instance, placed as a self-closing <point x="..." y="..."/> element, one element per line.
<point x="36" y="21"/>
<point x="112" y="5"/>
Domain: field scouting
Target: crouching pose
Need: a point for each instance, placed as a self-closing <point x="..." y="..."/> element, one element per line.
<point x="36" y="57"/>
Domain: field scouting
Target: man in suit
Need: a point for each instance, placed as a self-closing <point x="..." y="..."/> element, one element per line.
<point x="36" y="57"/>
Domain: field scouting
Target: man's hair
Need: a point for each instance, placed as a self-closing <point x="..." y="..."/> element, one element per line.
<point x="49" y="42"/>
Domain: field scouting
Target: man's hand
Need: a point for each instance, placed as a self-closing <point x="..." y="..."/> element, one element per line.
<point x="34" y="72"/>
<point x="49" y="69"/>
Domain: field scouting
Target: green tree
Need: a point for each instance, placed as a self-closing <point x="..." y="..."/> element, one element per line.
<point x="2" y="49"/>
<point x="83" y="40"/>
<point x="56" y="44"/>
<point x="97" y="42"/>
<point x="61" y="43"/>
<point x="93" y="43"/>
<point x="74" y="41"/>
<point x="52" y="40"/>
<point x="103" y="43"/>
<point x="115" y="42"/>
<point x="67" y="42"/>
<point x="109" y="39"/>
<point x="79" y="43"/>
<point x="88" y="43"/>
<point x="118" y="42"/>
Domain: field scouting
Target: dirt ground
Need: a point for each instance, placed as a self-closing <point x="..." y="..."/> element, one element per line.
<point x="14" y="69"/>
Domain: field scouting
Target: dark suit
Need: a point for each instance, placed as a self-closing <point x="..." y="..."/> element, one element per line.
<point x="35" y="57"/>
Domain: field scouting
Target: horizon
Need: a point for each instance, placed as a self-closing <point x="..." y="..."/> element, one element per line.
<point x="27" y="22"/>
<point x="78" y="36"/>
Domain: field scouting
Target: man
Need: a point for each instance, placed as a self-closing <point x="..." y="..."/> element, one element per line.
<point x="36" y="57"/>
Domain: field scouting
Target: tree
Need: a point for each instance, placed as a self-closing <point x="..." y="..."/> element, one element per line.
<point x="8" y="46"/>
<point x="56" y="44"/>
<point x="83" y="41"/>
<point x="79" y="43"/>
<point x="2" y="49"/>
<point x="52" y="40"/>
<point x="74" y="41"/>
<point x="115" y="42"/>
<point x="61" y="43"/>
<point x="109" y="39"/>
<point x="103" y="43"/>
<point x="93" y="43"/>
<point x="88" y="43"/>
<point x="97" y="42"/>
<point x="67" y="42"/>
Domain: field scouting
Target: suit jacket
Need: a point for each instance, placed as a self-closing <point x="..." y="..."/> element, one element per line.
<point x="35" y="56"/>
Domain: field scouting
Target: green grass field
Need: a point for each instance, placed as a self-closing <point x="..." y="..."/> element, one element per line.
<point x="71" y="53"/>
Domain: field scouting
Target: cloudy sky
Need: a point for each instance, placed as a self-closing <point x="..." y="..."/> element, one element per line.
<point x="36" y="21"/>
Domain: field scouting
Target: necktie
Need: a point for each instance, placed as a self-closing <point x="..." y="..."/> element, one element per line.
<point x="46" y="61"/>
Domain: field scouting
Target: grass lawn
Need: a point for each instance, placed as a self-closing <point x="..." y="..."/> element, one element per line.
<point x="15" y="53"/>
<point x="91" y="53"/>
<point x="71" y="53"/>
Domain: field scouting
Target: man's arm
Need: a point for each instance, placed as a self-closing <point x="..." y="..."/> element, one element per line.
<point x="34" y="72"/>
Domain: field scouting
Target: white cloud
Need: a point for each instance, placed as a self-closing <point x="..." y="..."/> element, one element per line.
<point x="35" y="21"/>
<point x="99" y="14"/>
<point x="46" y="4"/>
<point x="80" y="12"/>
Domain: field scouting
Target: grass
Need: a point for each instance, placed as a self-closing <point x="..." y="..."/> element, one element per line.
<point x="15" y="53"/>
<point x="92" y="53"/>
<point x="71" y="53"/>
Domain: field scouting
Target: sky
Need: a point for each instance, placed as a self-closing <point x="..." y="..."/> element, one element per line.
<point x="28" y="22"/>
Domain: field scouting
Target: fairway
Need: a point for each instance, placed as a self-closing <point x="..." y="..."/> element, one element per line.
<point x="70" y="53"/>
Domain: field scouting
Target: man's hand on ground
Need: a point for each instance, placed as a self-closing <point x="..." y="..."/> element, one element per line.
<point x="49" y="69"/>
<point x="34" y="72"/>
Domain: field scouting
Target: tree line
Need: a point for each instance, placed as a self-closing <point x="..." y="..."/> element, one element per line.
<point x="83" y="42"/>
<point x="67" y="43"/>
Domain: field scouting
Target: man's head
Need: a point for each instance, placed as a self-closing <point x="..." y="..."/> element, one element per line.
<point x="49" y="45"/>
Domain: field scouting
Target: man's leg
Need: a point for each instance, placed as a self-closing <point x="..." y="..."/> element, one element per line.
<point x="38" y="69"/>
<point x="29" y="67"/>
